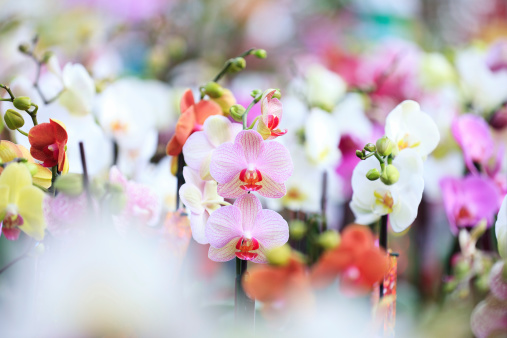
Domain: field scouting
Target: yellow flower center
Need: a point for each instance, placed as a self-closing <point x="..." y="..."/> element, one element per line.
<point x="408" y="141"/>
<point x="384" y="201"/>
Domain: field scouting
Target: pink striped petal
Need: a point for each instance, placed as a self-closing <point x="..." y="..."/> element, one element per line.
<point x="276" y="162"/>
<point x="224" y="225"/>
<point x="227" y="161"/>
<point x="232" y="188"/>
<point x="271" y="106"/>
<point x="198" y="226"/>
<point x="250" y="206"/>
<point x="270" y="188"/>
<point x="252" y="143"/>
<point x="225" y="253"/>
<point x="196" y="149"/>
<point x="270" y="229"/>
<point x="261" y="256"/>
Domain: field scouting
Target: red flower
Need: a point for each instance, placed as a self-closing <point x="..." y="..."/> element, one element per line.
<point x="48" y="141"/>
<point x="191" y="119"/>
<point x="357" y="260"/>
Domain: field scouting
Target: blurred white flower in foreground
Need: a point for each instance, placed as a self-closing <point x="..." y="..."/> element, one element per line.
<point x="501" y="229"/>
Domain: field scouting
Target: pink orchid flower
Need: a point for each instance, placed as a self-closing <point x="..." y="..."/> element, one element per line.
<point x="469" y="200"/>
<point x="271" y="114"/>
<point x="474" y="137"/>
<point x="245" y="230"/>
<point x="250" y="164"/>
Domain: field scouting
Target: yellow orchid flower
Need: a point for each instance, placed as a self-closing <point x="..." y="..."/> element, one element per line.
<point x="9" y="151"/>
<point x="20" y="203"/>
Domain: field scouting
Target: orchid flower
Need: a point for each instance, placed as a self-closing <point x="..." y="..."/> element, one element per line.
<point x="325" y="88"/>
<point x="372" y="199"/>
<point x="48" y="142"/>
<point x="250" y="164"/>
<point x="271" y="115"/>
<point x="191" y="119"/>
<point x="79" y="89"/>
<point x="245" y="230"/>
<point x="20" y="203"/>
<point x="201" y="199"/>
<point x="469" y="200"/>
<point x="501" y="229"/>
<point x="408" y="127"/>
<point x="9" y="151"/>
<point x="321" y="139"/>
<point x="200" y="145"/>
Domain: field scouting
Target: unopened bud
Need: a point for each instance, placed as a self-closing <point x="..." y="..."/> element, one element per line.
<point x="213" y="89"/>
<point x="22" y="102"/>
<point x="255" y="93"/>
<point x="237" y="112"/>
<point x="461" y="269"/>
<point x="13" y="119"/>
<point x="237" y="64"/>
<point x="370" y="147"/>
<point x="24" y="48"/>
<point x="297" y="229"/>
<point x="373" y="174"/>
<point x="360" y="154"/>
<point x="260" y="53"/>
<point x="276" y="95"/>
<point x="329" y="239"/>
<point x="279" y="256"/>
<point x="390" y="175"/>
<point x="482" y="283"/>
<point x="384" y="146"/>
<point x="47" y="55"/>
<point x="70" y="184"/>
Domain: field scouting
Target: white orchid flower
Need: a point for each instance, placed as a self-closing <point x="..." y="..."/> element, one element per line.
<point x="201" y="145"/>
<point x="201" y="199"/>
<point x="79" y="89"/>
<point x="501" y="229"/>
<point x="324" y="87"/>
<point x="373" y="199"/>
<point x="321" y="139"/>
<point x="408" y="127"/>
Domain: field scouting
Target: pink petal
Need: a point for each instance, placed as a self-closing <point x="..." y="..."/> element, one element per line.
<point x="261" y="256"/>
<point x="271" y="106"/>
<point x="232" y="188"/>
<point x="250" y="206"/>
<point x="270" y="188"/>
<point x="226" y="162"/>
<point x="252" y="144"/>
<point x="276" y="162"/>
<point x="116" y="176"/>
<point x="198" y="226"/>
<point x="223" y="225"/>
<point x="225" y="253"/>
<point x="270" y="229"/>
<point x="191" y="177"/>
<point x="196" y="149"/>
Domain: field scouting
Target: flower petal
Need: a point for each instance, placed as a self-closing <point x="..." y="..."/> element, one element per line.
<point x="187" y="100"/>
<point x="270" y="188"/>
<point x="225" y="253"/>
<point x="501" y="229"/>
<point x="198" y="226"/>
<point x="276" y="162"/>
<point x="226" y="162"/>
<point x="16" y="176"/>
<point x="9" y="151"/>
<point x="218" y="130"/>
<point x="185" y="125"/>
<point x="224" y="225"/>
<point x="40" y="136"/>
<point x="196" y="150"/>
<point x="191" y="196"/>
<point x="232" y="188"/>
<point x="30" y="208"/>
<point x="205" y="109"/>
<point x="270" y="229"/>
<point x="250" y="206"/>
<point x="252" y="144"/>
<point x="4" y="197"/>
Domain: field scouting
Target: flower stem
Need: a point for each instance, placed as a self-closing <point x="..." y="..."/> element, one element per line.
<point x="244" y="307"/>
<point x="228" y="64"/>
<point x="22" y="132"/>
<point x="180" y="178"/>
<point x="253" y="122"/>
<point x="323" y="202"/>
<point x="382" y="240"/>
<point x="245" y="114"/>
<point x="20" y="257"/>
<point x="54" y="174"/>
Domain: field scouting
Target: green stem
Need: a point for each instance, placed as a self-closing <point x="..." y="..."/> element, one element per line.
<point x="10" y="100"/>
<point x="228" y="64"/>
<point x="245" y="114"/>
<point x="253" y="122"/>
<point x="54" y="174"/>
<point x="22" y="132"/>
<point x="8" y="89"/>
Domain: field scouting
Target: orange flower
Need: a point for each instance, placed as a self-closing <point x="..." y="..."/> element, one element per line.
<point x="357" y="260"/>
<point x="48" y="142"/>
<point x="191" y="119"/>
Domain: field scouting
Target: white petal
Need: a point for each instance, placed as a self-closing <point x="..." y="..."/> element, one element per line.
<point x="196" y="150"/>
<point x="225" y="253"/>
<point x="198" y="226"/>
<point x="191" y="196"/>
<point x="218" y="130"/>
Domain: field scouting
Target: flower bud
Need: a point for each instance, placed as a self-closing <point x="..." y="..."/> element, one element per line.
<point x="461" y="269"/>
<point x="260" y="53"/>
<point x="370" y="147"/>
<point x="255" y="93"/>
<point x="225" y="101"/>
<point x="237" y="112"/>
<point x="47" y="55"/>
<point x="213" y="89"/>
<point x="297" y="229"/>
<point x="390" y="175"/>
<point x="24" y="48"/>
<point x="482" y="283"/>
<point x="13" y="119"/>
<point x="279" y="256"/>
<point x="22" y="102"/>
<point x="373" y="174"/>
<point x="329" y="239"/>
<point x="70" y="184"/>
<point x="276" y="95"/>
<point x="359" y="154"/>
<point x="237" y="64"/>
<point x="384" y="146"/>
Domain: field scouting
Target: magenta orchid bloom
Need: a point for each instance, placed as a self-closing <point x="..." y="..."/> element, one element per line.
<point x="271" y="114"/>
<point x="250" y="164"/>
<point x="474" y="137"/>
<point x="245" y="230"/>
<point x="469" y="200"/>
